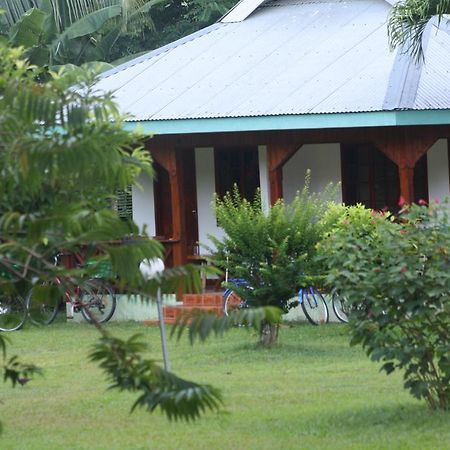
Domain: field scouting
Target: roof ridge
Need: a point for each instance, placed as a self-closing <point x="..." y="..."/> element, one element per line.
<point x="241" y="10"/>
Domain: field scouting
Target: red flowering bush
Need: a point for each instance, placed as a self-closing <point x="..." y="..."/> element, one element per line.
<point x="396" y="277"/>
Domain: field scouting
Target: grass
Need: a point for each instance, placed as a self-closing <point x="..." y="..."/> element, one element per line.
<point x="311" y="392"/>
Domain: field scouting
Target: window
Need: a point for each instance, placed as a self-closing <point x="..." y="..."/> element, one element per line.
<point x="371" y="178"/>
<point x="238" y="166"/>
<point x="123" y="204"/>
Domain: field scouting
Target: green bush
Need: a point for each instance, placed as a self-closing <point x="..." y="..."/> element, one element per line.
<point x="395" y="276"/>
<point x="274" y="250"/>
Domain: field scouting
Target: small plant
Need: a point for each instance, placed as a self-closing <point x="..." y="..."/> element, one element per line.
<point x="272" y="251"/>
<point x="396" y="277"/>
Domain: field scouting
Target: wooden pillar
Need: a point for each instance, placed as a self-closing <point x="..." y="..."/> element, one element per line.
<point x="406" y="175"/>
<point x="277" y="156"/>
<point x="405" y="149"/>
<point x="169" y="160"/>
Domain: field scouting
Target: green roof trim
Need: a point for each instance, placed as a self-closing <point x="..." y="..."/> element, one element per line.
<point x="293" y="122"/>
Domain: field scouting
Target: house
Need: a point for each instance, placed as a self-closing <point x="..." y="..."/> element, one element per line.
<point x="276" y="87"/>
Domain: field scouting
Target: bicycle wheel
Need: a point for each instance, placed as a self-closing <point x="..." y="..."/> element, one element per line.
<point x="98" y="302"/>
<point x="314" y="306"/>
<point x="231" y="301"/>
<point x="43" y="312"/>
<point x="340" y="307"/>
<point x="13" y="312"/>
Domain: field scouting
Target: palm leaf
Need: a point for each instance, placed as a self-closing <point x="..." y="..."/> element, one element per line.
<point x="408" y="21"/>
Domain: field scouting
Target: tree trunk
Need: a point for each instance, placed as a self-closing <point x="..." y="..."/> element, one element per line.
<point x="268" y="334"/>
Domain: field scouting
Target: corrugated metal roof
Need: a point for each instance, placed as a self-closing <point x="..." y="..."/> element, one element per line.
<point x="289" y="57"/>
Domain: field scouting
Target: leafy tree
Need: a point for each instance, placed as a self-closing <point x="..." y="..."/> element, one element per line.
<point x="408" y="20"/>
<point x="56" y="32"/>
<point x="396" y="278"/>
<point x="63" y="156"/>
<point x="273" y="252"/>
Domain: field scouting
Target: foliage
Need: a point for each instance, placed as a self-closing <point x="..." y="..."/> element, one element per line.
<point x="179" y="399"/>
<point x="60" y="32"/>
<point x="272" y="252"/>
<point x="201" y="326"/>
<point x="408" y="20"/>
<point x="63" y="156"/>
<point x="56" y="32"/>
<point x="396" y="277"/>
<point x="172" y="20"/>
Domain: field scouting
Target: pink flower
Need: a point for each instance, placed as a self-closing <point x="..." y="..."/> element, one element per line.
<point x="422" y="202"/>
<point x="401" y="201"/>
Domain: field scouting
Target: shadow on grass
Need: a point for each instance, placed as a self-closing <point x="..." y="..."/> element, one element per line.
<point x="386" y="417"/>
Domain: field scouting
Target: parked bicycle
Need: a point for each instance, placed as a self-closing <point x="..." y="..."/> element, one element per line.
<point x="311" y="301"/>
<point x="95" y="300"/>
<point x="13" y="312"/>
<point x="340" y="306"/>
<point x="313" y="306"/>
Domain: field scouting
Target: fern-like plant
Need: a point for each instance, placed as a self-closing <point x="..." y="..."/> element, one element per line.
<point x="63" y="157"/>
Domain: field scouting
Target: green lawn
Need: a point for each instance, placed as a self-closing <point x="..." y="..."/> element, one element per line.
<point x="311" y="392"/>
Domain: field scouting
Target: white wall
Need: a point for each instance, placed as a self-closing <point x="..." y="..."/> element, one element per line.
<point x="324" y="161"/>
<point x="264" y="177"/>
<point x="438" y="177"/>
<point x="206" y="187"/>
<point x="144" y="204"/>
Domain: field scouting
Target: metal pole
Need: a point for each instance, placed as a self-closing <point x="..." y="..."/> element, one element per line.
<point x="162" y="330"/>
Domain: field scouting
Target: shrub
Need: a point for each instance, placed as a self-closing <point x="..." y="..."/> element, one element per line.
<point x="396" y="277"/>
<point x="274" y="251"/>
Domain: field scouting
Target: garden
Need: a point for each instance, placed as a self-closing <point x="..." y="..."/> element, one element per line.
<point x="65" y="157"/>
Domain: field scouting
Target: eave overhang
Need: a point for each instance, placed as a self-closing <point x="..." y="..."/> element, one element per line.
<point x="292" y="122"/>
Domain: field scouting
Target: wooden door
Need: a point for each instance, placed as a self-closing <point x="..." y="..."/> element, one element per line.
<point x="163" y="201"/>
<point x="187" y="162"/>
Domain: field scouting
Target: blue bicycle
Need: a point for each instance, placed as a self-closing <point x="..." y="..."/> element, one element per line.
<point x="311" y="301"/>
<point x="313" y="305"/>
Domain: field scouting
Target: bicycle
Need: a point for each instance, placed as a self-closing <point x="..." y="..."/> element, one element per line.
<point x="96" y="300"/>
<point x="340" y="306"/>
<point x="313" y="305"/>
<point x="13" y="312"/>
<point x="311" y="301"/>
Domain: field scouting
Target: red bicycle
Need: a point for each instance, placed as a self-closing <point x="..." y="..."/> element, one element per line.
<point x="95" y="300"/>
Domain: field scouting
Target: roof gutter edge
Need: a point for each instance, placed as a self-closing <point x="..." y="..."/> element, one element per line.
<point x="292" y="122"/>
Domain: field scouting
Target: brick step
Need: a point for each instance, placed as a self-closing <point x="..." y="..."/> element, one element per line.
<point x="175" y="311"/>
<point x="206" y="302"/>
<point x="207" y="299"/>
<point x="171" y="313"/>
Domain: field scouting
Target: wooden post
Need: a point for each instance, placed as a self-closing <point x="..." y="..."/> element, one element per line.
<point x="277" y="156"/>
<point x="406" y="175"/>
<point x="168" y="159"/>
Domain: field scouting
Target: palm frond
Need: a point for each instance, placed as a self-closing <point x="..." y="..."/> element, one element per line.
<point x="408" y="20"/>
